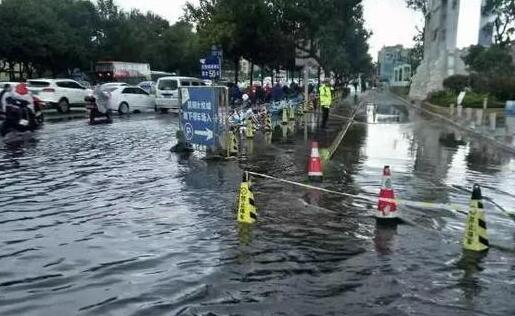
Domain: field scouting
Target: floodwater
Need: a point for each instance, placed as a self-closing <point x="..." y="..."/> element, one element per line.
<point x="103" y="220"/>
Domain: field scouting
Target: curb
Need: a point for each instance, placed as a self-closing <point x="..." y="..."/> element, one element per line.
<point x="61" y="118"/>
<point x="503" y="146"/>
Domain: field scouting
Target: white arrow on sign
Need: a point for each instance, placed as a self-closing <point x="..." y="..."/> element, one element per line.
<point x="207" y="133"/>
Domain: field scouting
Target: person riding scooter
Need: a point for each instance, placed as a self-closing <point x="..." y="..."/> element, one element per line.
<point x="98" y="105"/>
<point x="19" y="111"/>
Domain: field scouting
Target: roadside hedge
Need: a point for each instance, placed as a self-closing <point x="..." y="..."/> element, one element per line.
<point x="472" y="99"/>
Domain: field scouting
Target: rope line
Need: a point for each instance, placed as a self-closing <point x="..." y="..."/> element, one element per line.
<point x="334" y="146"/>
<point x="426" y="205"/>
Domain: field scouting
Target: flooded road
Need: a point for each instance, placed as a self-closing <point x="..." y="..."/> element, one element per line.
<point x="104" y="220"/>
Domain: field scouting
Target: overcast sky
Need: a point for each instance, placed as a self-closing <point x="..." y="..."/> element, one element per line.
<point x="389" y="20"/>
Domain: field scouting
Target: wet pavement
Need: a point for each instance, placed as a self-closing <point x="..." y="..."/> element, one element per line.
<point x="103" y="220"/>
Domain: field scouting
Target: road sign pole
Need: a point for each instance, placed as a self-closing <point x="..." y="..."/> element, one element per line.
<point x="306" y="101"/>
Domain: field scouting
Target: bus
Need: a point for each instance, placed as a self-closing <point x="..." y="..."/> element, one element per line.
<point x="118" y="71"/>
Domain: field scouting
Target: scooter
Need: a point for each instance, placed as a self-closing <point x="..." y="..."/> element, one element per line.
<point x="94" y="113"/>
<point x="20" y="121"/>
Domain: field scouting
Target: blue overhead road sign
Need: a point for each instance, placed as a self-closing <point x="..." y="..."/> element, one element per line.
<point x="199" y="115"/>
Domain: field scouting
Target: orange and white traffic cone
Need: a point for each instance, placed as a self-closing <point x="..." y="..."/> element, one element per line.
<point x="387" y="206"/>
<point x="315" y="164"/>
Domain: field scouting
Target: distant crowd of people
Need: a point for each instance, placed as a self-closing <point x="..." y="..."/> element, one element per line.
<point x="259" y="94"/>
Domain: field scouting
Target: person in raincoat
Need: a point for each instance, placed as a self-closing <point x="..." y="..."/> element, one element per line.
<point x="18" y="109"/>
<point x="101" y="99"/>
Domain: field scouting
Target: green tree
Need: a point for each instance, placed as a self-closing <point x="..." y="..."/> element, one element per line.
<point x="53" y="35"/>
<point x="504" y="23"/>
<point x="419" y="5"/>
<point x="270" y="32"/>
<point x="416" y="54"/>
<point x="495" y="61"/>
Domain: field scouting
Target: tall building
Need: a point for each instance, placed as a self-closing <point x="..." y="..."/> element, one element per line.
<point x="393" y="64"/>
<point x="441" y="58"/>
<point x="486" y="26"/>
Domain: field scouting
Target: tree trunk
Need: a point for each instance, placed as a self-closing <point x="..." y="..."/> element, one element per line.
<point x="251" y="74"/>
<point x="262" y="75"/>
<point x="236" y="71"/>
<point x="319" y="74"/>
<point x="12" y="76"/>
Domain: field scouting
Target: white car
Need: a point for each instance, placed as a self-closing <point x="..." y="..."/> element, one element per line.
<point x="59" y="93"/>
<point x="167" y="91"/>
<point x="10" y="84"/>
<point x="126" y="99"/>
<point x="110" y="85"/>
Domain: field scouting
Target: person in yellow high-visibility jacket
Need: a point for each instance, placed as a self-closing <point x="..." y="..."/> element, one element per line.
<point x="326" y="100"/>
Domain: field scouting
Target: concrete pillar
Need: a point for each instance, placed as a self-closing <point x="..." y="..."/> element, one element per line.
<point x="485" y="103"/>
<point x="479" y="117"/>
<point x="493" y="121"/>
<point x="459" y="111"/>
<point x="451" y="110"/>
<point x="468" y="114"/>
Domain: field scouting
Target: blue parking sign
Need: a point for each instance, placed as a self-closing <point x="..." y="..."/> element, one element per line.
<point x="211" y="68"/>
<point x="199" y="115"/>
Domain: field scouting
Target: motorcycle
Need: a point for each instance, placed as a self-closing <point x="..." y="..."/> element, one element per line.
<point x="20" y="121"/>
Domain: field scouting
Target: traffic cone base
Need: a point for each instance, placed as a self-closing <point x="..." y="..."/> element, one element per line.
<point x="246" y="205"/>
<point x="387" y="206"/>
<point x="249" y="128"/>
<point x="285" y="116"/>
<point x="233" y="146"/>
<point x="475" y="236"/>
<point x="268" y="123"/>
<point x="315" y="163"/>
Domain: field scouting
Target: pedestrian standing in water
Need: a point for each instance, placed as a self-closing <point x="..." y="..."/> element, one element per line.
<point x="326" y="100"/>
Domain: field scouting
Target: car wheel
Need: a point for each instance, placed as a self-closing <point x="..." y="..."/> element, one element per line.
<point x="40" y="119"/>
<point x="63" y="106"/>
<point x="123" y="108"/>
<point x="164" y="111"/>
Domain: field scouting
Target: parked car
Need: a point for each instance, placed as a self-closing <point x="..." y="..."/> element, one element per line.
<point x="85" y="84"/>
<point x="110" y="86"/>
<point x="126" y="99"/>
<point x="59" y="93"/>
<point x="148" y="86"/>
<point x="2" y="84"/>
<point x="167" y="91"/>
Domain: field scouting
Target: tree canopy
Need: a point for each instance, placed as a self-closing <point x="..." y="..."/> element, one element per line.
<point x="57" y="36"/>
<point x="271" y="32"/>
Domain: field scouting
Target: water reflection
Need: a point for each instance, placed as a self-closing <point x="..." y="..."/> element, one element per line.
<point x="470" y="283"/>
<point x="384" y="235"/>
<point x="486" y="158"/>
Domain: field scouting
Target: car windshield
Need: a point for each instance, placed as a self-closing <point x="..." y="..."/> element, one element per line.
<point x="38" y="84"/>
<point x="167" y="84"/>
<point x="110" y="88"/>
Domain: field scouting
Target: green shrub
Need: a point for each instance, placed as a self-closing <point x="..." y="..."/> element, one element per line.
<point x="503" y="88"/>
<point x="456" y="83"/>
<point x="480" y="83"/>
<point x="442" y="98"/>
<point x="472" y="99"/>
